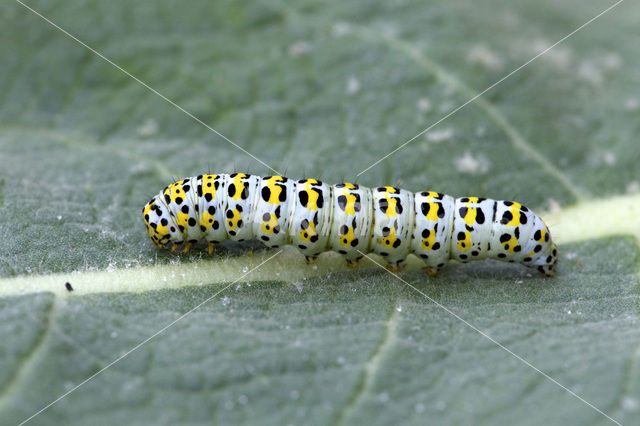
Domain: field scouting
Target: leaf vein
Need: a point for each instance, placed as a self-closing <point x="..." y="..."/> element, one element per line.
<point x="517" y="140"/>
<point x="30" y="359"/>
<point x="371" y="369"/>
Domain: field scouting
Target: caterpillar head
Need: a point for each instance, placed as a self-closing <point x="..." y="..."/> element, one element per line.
<point x="156" y="219"/>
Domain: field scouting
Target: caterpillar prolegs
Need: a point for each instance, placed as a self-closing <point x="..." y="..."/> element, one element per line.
<point x="349" y="219"/>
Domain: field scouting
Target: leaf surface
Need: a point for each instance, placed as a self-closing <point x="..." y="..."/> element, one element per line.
<point x="319" y="90"/>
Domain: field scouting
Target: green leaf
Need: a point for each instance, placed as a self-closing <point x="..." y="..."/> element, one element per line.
<point x="322" y="90"/>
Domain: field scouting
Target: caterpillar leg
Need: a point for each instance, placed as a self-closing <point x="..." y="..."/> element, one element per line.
<point x="175" y="246"/>
<point x="210" y="247"/>
<point x="187" y="247"/>
<point x="352" y="263"/>
<point x="432" y="272"/>
<point x="394" y="266"/>
<point x="310" y="259"/>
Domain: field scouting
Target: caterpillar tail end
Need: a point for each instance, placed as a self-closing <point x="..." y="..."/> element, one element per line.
<point x="548" y="271"/>
<point x="549" y="266"/>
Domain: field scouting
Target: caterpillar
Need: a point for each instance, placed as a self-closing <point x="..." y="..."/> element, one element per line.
<point x="349" y="219"/>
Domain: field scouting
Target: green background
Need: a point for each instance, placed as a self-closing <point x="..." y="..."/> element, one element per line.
<point x="315" y="89"/>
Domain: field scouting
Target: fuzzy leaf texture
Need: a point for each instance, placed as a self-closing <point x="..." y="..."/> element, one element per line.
<point x="316" y="89"/>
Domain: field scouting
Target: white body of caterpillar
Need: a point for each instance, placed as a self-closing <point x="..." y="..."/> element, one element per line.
<point x="349" y="219"/>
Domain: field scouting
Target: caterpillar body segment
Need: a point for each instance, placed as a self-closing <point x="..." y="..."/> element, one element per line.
<point x="433" y="224"/>
<point x="351" y="228"/>
<point x="393" y="219"/>
<point x="350" y="219"/>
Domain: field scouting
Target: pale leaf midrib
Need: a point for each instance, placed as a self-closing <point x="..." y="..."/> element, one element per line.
<point x="588" y="220"/>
